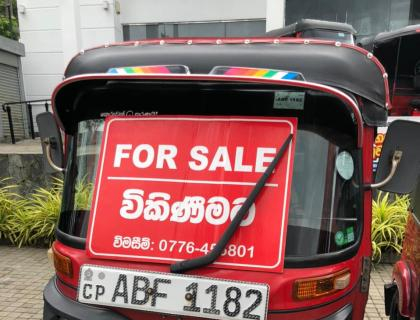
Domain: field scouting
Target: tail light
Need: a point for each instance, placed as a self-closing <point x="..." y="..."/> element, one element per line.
<point x="62" y="264"/>
<point x="311" y="288"/>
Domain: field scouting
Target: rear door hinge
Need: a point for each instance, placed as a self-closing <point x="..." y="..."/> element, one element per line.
<point x="365" y="277"/>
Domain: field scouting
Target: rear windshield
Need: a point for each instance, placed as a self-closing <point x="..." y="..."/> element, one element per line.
<point x="341" y="36"/>
<point x="324" y="199"/>
<point x="325" y="208"/>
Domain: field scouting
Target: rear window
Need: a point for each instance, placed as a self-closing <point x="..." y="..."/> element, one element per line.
<point x="325" y="209"/>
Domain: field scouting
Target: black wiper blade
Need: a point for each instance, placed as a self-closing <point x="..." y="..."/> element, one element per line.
<point x="209" y="258"/>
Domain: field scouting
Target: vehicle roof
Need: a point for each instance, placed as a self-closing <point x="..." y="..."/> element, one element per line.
<point x="342" y="66"/>
<point x="384" y="37"/>
<point x="308" y="24"/>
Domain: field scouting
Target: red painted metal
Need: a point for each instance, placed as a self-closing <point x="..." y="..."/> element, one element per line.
<point x="402" y="277"/>
<point x="406" y="273"/>
<point x="195" y="77"/>
<point x="282" y="305"/>
<point x="401" y="105"/>
<point x="281" y="285"/>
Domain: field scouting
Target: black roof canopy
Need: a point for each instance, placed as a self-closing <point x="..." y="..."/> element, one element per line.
<point x="309" y="24"/>
<point x="373" y="42"/>
<point x="384" y="37"/>
<point x="345" y="67"/>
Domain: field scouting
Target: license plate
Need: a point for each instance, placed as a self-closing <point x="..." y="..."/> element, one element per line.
<point x="173" y="293"/>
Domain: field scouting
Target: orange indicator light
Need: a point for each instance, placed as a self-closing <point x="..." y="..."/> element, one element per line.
<point x="321" y="286"/>
<point x="62" y="264"/>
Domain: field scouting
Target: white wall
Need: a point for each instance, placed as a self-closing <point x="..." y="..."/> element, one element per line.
<point x="148" y="11"/>
<point x="40" y="31"/>
<point x="53" y="31"/>
<point x="275" y="14"/>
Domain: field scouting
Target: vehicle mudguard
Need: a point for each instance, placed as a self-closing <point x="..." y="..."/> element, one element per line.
<point x="402" y="277"/>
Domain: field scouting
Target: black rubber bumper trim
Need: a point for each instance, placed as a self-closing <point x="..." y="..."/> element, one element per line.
<point x="57" y="305"/>
<point x="69" y="240"/>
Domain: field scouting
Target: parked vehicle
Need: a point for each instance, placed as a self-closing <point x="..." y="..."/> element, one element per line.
<point x="317" y="29"/>
<point x="398" y="53"/>
<point x="402" y="298"/>
<point x="228" y="178"/>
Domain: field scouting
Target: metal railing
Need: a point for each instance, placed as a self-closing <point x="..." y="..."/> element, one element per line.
<point x="7" y="108"/>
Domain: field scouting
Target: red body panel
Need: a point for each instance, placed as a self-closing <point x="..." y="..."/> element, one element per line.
<point x="406" y="273"/>
<point x="401" y="105"/>
<point x="281" y="285"/>
<point x="282" y="305"/>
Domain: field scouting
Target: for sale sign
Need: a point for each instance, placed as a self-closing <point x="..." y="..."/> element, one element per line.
<point x="168" y="187"/>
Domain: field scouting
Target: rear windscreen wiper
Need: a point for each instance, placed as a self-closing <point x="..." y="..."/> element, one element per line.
<point x="189" y="264"/>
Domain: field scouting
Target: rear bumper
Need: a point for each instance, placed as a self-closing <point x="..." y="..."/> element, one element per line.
<point x="57" y="306"/>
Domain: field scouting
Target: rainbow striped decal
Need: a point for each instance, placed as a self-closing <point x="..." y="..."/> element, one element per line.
<point x="177" y="69"/>
<point x="258" y="73"/>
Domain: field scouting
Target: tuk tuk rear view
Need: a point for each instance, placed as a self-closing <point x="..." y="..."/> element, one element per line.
<point x="220" y="179"/>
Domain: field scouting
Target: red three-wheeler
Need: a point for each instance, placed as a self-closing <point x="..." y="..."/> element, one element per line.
<point x="220" y="179"/>
<point x="398" y="52"/>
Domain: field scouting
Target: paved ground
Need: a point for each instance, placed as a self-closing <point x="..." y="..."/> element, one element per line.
<point x="24" y="272"/>
<point x="375" y="308"/>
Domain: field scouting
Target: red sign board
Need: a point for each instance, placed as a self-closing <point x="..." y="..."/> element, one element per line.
<point x="167" y="188"/>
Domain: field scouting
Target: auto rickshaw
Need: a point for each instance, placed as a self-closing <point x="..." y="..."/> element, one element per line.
<point x="402" y="298"/>
<point x="317" y="29"/>
<point x="220" y="179"/>
<point x="398" y="53"/>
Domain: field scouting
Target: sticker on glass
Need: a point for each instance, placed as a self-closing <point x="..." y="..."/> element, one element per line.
<point x="344" y="237"/>
<point x="340" y="238"/>
<point x="289" y="100"/>
<point x="345" y="165"/>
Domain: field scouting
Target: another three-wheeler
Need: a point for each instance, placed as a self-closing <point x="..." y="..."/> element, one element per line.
<point x="402" y="295"/>
<point x="399" y="54"/>
<point x="398" y="51"/>
<point x="317" y="29"/>
<point x="220" y="179"/>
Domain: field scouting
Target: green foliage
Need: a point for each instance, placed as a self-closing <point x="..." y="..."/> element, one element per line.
<point x="9" y="28"/>
<point x="9" y="203"/>
<point x="37" y="218"/>
<point x="389" y="217"/>
<point x="83" y="196"/>
<point x="32" y="220"/>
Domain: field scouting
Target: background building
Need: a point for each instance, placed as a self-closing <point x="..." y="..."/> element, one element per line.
<point x="53" y="31"/>
<point x="11" y="87"/>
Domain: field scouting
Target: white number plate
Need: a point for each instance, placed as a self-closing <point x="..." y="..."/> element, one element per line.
<point x="172" y="293"/>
